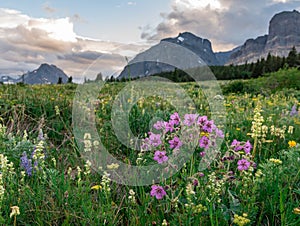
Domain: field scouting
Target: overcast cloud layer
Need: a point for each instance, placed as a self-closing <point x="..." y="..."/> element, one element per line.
<point x="227" y="23"/>
<point x="27" y="42"/>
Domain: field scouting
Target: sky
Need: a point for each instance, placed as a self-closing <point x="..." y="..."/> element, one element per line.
<point x="84" y="38"/>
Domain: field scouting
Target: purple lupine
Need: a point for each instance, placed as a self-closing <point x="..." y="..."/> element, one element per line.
<point x="157" y="191"/>
<point x="26" y="163"/>
<point x="175" y="143"/>
<point x="175" y="119"/>
<point x="204" y="142"/>
<point x="243" y="164"/>
<point x="294" y="110"/>
<point x="247" y="147"/>
<point x="160" y="157"/>
<point x="209" y="126"/>
<point x="155" y="140"/>
<point x="190" y="119"/>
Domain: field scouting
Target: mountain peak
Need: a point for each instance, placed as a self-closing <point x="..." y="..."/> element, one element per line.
<point x="44" y="74"/>
<point x="284" y="33"/>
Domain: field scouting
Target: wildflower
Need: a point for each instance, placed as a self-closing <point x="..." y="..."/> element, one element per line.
<point x="145" y="144"/>
<point x="190" y="189"/>
<point x="275" y="161"/>
<point x="41" y="135"/>
<point x="209" y="126"/>
<point x="236" y="145"/>
<point x="247" y="147"/>
<point x="202" y="121"/>
<point x="164" y="223"/>
<point x="219" y="133"/>
<point x="294" y="111"/>
<point x="105" y="182"/>
<point x="96" y="187"/>
<point x="158" y="125"/>
<point x="87" y="166"/>
<point x="202" y="153"/>
<point x="175" y="119"/>
<point x="113" y="166"/>
<point x="290" y="129"/>
<point x="155" y="140"/>
<point x="157" y="191"/>
<point x="160" y="157"/>
<point x="131" y="196"/>
<point x="26" y="163"/>
<point x="296" y="210"/>
<point x="204" y="142"/>
<point x="243" y="164"/>
<point x="57" y="110"/>
<point x="175" y="143"/>
<point x="292" y="143"/>
<point x="190" y="119"/>
<point x="241" y="220"/>
<point x="169" y="126"/>
<point x="15" y="210"/>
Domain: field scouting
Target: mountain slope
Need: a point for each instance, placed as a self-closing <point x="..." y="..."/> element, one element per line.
<point x="45" y="74"/>
<point x="284" y="33"/>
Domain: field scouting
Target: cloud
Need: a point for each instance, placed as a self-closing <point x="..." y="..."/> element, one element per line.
<point x="227" y="23"/>
<point x="49" y="9"/>
<point x="27" y="42"/>
<point x="131" y="3"/>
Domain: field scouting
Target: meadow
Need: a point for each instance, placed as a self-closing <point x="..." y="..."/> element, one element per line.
<point x="253" y="177"/>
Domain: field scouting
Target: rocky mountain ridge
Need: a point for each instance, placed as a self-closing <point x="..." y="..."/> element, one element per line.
<point x="284" y="33"/>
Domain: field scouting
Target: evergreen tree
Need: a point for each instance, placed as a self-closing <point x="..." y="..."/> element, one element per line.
<point x="59" y="80"/>
<point x="292" y="57"/>
<point x="70" y="79"/>
<point x="99" y="77"/>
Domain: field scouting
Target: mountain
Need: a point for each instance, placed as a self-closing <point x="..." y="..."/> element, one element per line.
<point x="45" y="74"/>
<point x="284" y="33"/>
<point x="199" y="46"/>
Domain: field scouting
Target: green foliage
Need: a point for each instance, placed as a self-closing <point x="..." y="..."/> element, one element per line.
<point x="269" y="83"/>
<point x="65" y="191"/>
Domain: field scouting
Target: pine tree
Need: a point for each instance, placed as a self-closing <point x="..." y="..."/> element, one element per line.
<point x="292" y="58"/>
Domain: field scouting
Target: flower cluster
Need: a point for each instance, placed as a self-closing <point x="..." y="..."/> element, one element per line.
<point x="241" y="220"/>
<point x="176" y="133"/>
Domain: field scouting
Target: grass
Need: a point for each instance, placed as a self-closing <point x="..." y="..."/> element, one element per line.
<point x="64" y="189"/>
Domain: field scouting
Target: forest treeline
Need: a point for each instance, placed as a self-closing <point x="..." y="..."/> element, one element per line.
<point x="231" y="72"/>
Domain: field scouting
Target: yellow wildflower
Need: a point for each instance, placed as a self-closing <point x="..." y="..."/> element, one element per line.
<point x="276" y="161"/>
<point x="96" y="187"/>
<point x="297" y="210"/>
<point x="292" y="143"/>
